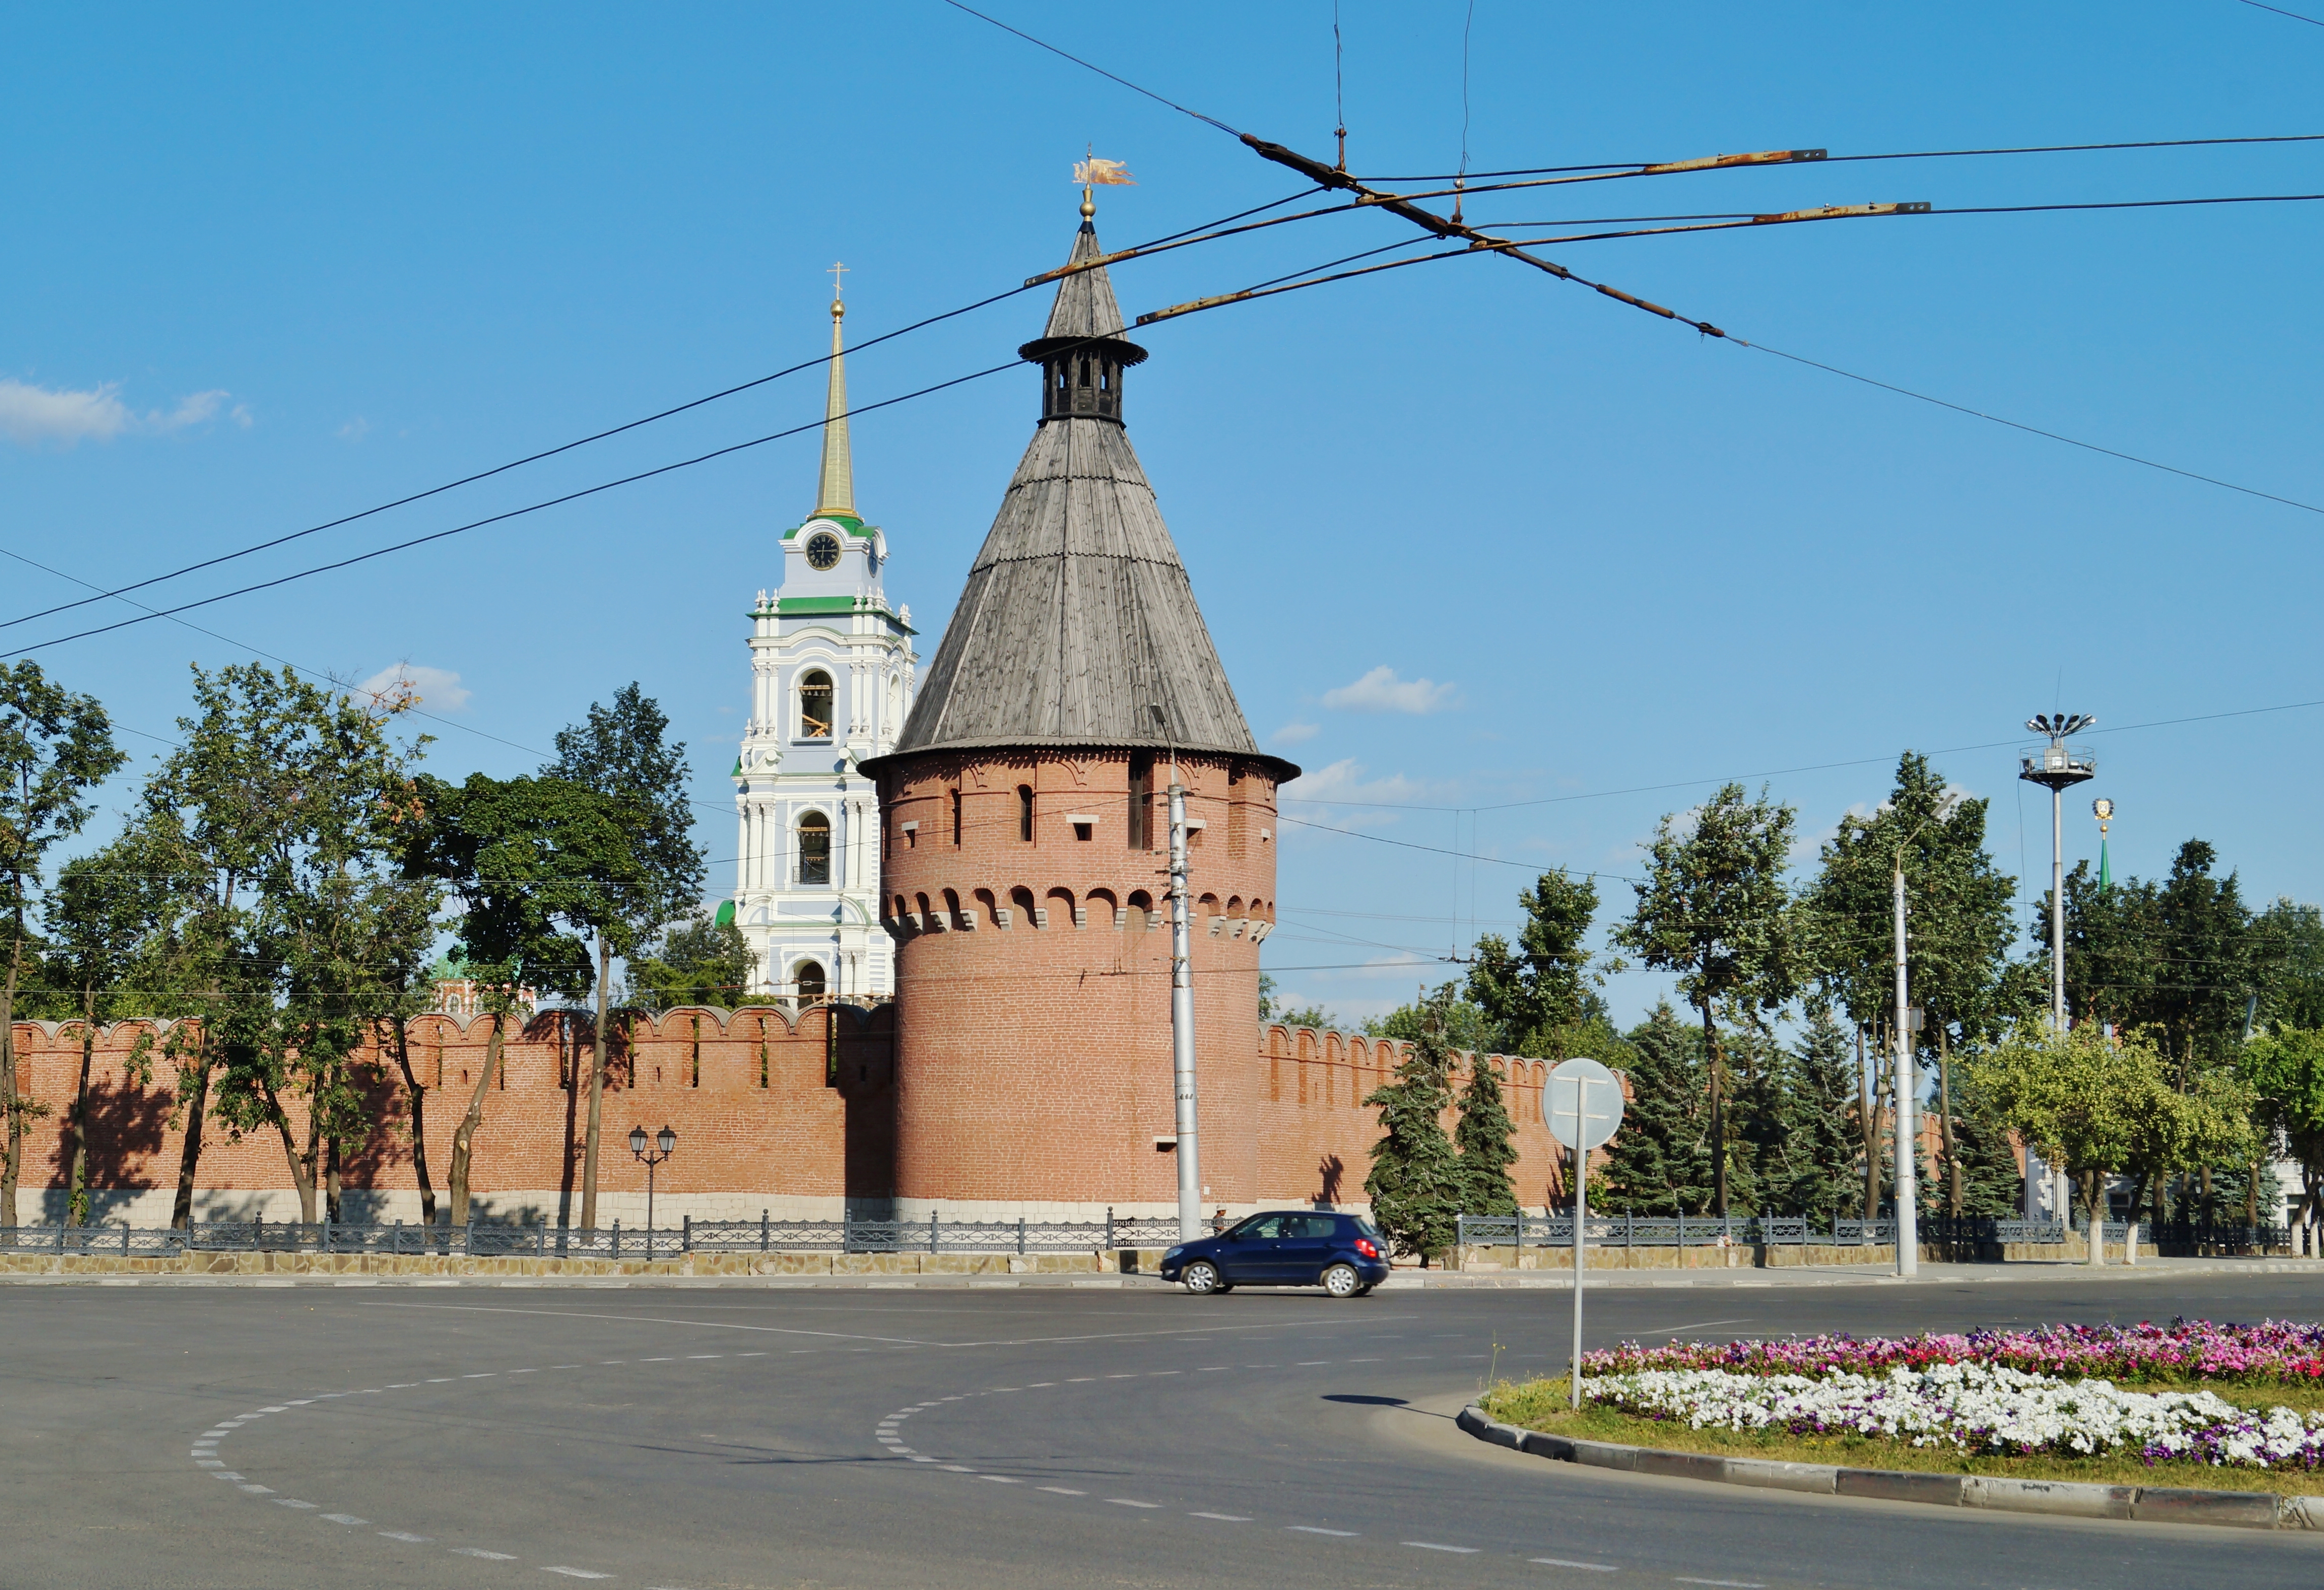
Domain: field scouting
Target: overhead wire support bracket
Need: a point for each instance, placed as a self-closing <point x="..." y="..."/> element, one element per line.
<point x="1324" y="175"/>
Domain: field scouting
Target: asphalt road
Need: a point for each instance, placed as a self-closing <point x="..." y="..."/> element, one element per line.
<point x="702" y="1439"/>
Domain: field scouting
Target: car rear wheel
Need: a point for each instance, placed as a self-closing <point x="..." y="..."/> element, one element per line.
<point x="1202" y="1278"/>
<point x="1342" y="1281"/>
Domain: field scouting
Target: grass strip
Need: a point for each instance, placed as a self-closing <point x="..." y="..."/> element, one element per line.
<point x="1541" y="1404"/>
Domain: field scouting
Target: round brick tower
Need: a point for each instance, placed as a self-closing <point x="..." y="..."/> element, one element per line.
<point x="1026" y="843"/>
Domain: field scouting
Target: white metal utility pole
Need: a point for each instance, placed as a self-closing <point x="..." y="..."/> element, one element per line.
<point x="1908" y="1234"/>
<point x="1181" y="1019"/>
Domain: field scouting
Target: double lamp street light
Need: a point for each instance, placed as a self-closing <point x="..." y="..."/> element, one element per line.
<point x="665" y="1140"/>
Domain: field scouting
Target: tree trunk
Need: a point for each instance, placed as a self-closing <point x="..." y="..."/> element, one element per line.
<point x="76" y="1128"/>
<point x="1945" y="1113"/>
<point x="1717" y="1117"/>
<point x="2210" y="1204"/>
<point x="331" y="1206"/>
<point x="302" y="1168"/>
<point x="2250" y="1199"/>
<point x="1868" y="1120"/>
<point x="13" y="1154"/>
<point x="190" y="1152"/>
<point x="419" y="1092"/>
<point x="2093" y="1190"/>
<point x="596" y="1095"/>
<point x="463" y="1139"/>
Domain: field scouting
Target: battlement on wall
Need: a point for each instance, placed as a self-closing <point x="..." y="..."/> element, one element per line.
<point x="765" y="1101"/>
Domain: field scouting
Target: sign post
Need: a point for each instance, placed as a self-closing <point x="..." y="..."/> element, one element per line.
<point x="1581" y="1105"/>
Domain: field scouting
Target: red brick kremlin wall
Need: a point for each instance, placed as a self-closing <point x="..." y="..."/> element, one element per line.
<point x="793" y="1120"/>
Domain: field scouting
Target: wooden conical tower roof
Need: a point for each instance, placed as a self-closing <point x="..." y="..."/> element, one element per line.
<point x="1078" y="622"/>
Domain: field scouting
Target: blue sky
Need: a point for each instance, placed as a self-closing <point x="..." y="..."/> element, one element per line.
<point x="1466" y="536"/>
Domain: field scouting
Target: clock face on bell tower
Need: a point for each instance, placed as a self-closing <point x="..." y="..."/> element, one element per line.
<point x="823" y="550"/>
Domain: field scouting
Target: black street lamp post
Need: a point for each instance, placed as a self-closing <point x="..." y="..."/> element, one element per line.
<point x="665" y="1140"/>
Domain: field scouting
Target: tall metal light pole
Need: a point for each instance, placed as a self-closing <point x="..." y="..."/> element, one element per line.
<point x="2058" y="767"/>
<point x="1181" y="1019"/>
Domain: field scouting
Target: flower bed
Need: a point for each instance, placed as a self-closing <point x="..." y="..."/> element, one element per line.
<point x="1972" y="1408"/>
<point x="2270" y="1352"/>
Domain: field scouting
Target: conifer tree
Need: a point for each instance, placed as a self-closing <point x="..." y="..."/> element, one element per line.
<point x="1415" y="1184"/>
<point x="1659" y="1162"/>
<point x="1714" y="908"/>
<point x="1485" y="1137"/>
<point x="1814" y="1171"/>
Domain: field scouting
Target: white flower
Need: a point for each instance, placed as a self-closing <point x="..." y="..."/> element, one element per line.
<point x="1972" y="1406"/>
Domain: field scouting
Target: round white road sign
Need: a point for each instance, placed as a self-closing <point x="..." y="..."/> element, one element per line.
<point x="1581" y="1104"/>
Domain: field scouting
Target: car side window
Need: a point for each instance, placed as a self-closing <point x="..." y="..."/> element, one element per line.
<point x="1258" y="1226"/>
<point x="1310" y="1226"/>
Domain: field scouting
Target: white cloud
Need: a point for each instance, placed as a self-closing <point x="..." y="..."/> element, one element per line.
<point x="355" y="430"/>
<point x="435" y="688"/>
<point x="1344" y="780"/>
<point x="1380" y="691"/>
<point x="1295" y="734"/>
<point x="32" y="414"/>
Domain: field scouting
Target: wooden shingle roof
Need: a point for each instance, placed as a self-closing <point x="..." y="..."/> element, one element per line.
<point x="1078" y="618"/>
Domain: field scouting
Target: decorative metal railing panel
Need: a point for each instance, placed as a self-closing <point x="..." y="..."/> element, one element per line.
<point x="933" y="1235"/>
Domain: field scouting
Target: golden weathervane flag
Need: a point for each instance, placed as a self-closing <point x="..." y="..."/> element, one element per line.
<point x="1094" y="172"/>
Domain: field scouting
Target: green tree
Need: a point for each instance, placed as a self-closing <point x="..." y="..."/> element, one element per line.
<point x="287" y="798"/>
<point x="2288" y="964"/>
<point x="1659" y="1162"/>
<point x="1959" y="931"/>
<point x="1538" y="992"/>
<point x="1485" y="1139"/>
<point x="55" y="748"/>
<point x="620" y="753"/>
<point x="100" y="916"/>
<point x="1714" y="909"/>
<point x="1416" y="1183"/>
<point x="1808" y="1165"/>
<point x="1461" y="1023"/>
<point x="2184" y="959"/>
<point x="2284" y="1069"/>
<point x="2101" y="1106"/>
<point x="529" y="859"/>
<point x="699" y="961"/>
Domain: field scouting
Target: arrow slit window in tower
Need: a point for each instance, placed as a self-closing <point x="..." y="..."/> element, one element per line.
<point x="815" y="706"/>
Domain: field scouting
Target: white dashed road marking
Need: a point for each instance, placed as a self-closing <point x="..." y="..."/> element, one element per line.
<point x="1433" y="1546"/>
<point x="487" y="1556"/>
<point x="1562" y="1562"/>
<point x="1312" y="1529"/>
<point x="1224" y="1517"/>
<point x="1061" y="1491"/>
<point x="1125" y="1501"/>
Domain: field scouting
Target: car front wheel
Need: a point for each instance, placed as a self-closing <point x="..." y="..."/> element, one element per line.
<point x="1202" y="1278"/>
<point x="1342" y="1281"/>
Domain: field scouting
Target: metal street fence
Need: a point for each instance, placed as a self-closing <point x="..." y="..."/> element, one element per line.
<point x="1799" y="1230"/>
<point x="1706" y="1231"/>
<point x="933" y="1235"/>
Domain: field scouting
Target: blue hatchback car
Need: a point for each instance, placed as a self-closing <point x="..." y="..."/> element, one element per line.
<point x="1345" y="1254"/>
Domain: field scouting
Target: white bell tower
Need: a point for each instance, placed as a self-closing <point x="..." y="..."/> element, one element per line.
<point x="832" y="677"/>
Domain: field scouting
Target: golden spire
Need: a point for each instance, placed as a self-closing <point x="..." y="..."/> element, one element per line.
<point x="834" y="491"/>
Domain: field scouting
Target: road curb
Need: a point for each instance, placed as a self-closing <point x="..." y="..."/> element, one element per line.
<point x="864" y="1282"/>
<point x="2241" y="1510"/>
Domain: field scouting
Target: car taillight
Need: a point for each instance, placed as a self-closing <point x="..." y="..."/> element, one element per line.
<point x="1364" y="1247"/>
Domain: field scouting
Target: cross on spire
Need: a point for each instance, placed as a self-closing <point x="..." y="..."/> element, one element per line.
<point x="835" y="272"/>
